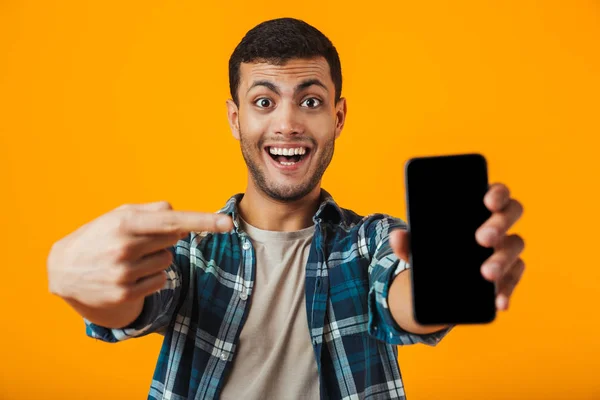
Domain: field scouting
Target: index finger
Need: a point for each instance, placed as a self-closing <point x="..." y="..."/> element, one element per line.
<point x="169" y="222"/>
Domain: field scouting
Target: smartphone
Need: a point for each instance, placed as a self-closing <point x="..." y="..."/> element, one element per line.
<point x="444" y="200"/>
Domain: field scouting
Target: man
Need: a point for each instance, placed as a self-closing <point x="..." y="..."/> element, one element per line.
<point x="282" y="293"/>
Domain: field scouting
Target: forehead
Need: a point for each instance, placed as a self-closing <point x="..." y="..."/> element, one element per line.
<point x="292" y="71"/>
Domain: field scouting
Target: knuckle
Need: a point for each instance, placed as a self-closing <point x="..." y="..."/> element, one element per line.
<point x="167" y="257"/>
<point x="165" y="205"/>
<point x="516" y="241"/>
<point x="497" y="257"/>
<point x="170" y="226"/>
<point x="161" y="282"/>
<point x="120" y="252"/>
<point x="163" y="259"/>
<point x="161" y="279"/>
<point x="504" y="245"/>
<point x="501" y="259"/>
<point x="520" y="241"/>
<point x="122" y="274"/>
<point x="518" y="206"/>
<point x="211" y="224"/>
<point x="55" y="286"/>
<point x="122" y="294"/>
<point x="52" y="254"/>
<point x="514" y="276"/>
<point x="125" y="220"/>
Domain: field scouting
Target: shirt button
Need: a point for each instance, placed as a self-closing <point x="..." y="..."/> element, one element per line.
<point x="223" y="356"/>
<point x="246" y="245"/>
<point x="244" y="296"/>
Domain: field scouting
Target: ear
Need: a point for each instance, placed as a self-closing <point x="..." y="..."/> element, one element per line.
<point x="234" y="119"/>
<point x="341" y="111"/>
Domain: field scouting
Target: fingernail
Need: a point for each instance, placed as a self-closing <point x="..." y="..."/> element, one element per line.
<point x="224" y="223"/>
<point x="488" y="235"/>
<point x="501" y="302"/>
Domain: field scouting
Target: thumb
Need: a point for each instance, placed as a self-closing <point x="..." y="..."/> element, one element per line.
<point x="399" y="241"/>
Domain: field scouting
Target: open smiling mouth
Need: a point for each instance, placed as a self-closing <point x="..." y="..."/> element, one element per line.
<point x="288" y="156"/>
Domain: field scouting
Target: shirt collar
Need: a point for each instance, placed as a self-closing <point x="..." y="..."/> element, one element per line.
<point x="328" y="211"/>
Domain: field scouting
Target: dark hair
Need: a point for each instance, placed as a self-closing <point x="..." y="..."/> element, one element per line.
<point x="278" y="40"/>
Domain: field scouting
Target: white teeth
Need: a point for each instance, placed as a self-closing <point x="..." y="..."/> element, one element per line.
<point x="280" y="151"/>
<point x="287" y="163"/>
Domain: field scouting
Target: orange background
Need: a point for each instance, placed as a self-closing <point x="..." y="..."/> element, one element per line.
<point x="105" y="103"/>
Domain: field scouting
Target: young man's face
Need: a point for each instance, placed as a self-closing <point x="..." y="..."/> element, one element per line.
<point x="287" y="122"/>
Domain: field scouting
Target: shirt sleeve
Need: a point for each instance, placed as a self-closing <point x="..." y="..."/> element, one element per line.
<point x="384" y="267"/>
<point x="156" y="314"/>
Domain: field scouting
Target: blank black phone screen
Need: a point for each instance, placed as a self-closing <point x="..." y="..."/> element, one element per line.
<point x="444" y="209"/>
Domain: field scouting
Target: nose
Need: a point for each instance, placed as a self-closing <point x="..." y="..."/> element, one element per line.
<point x="287" y="120"/>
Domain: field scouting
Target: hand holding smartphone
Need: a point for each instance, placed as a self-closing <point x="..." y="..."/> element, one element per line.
<point x="444" y="198"/>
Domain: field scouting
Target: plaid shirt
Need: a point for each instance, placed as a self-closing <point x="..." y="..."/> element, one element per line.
<point x="203" y="306"/>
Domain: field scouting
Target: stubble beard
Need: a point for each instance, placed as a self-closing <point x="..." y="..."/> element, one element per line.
<point x="283" y="193"/>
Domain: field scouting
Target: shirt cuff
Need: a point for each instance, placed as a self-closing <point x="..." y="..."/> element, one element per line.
<point x="381" y="323"/>
<point x="140" y="327"/>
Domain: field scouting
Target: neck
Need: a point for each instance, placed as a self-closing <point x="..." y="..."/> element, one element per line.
<point x="263" y="212"/>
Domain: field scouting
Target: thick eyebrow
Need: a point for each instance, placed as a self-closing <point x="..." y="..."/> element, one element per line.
<point x="310" y="82"/>
<point x="269" y="85"/>
<point x="301" y="86"/>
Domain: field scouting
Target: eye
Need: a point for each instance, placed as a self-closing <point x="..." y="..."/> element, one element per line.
<point x="311" y="102"/>
<point x="263" y="102"/>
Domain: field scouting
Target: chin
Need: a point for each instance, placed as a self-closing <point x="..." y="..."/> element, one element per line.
<point x="288" y="194"/>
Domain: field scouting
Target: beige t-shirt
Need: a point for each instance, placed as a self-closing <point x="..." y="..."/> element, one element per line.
<point x="274" y="358"/>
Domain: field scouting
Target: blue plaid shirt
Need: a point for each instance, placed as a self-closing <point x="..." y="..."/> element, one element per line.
<point x="203" y="306"/>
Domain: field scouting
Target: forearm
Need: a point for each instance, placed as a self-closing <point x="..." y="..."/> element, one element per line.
<point x="109" y="317"/>
<point x="400" y="301"/>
